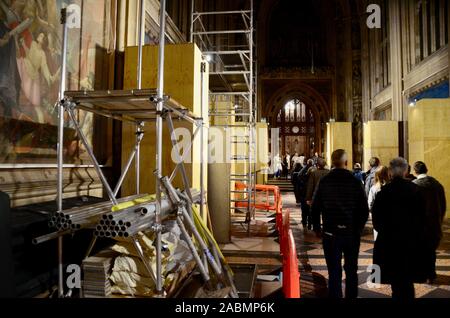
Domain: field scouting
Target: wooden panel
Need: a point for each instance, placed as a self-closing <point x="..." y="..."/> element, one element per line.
<point x="262" y="152"/>
<point x="380" y="140"/>
<point x="339" y="136"/>
<point x="181" y="77"/>
<point x="183" y="81"/>
<point x="429" y="138"/>
<point x="262" y="145"/>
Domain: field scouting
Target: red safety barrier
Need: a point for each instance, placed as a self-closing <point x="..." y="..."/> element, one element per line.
<point x="291" y="275"/>
<point x="285" y="227"/>
<point x="267" y="197"/>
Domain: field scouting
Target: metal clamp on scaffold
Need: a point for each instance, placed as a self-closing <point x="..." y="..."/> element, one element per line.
<point x="139" y="130"/>
<point x="155" y="99"/>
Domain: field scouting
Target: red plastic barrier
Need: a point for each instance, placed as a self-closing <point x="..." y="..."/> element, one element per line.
<point x="284" y="230"/>
<point x="267" y="197"/>
<point x="291" y="275"/>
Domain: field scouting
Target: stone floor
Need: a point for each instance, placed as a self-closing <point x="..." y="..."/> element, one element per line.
<point x="313" y="267"/>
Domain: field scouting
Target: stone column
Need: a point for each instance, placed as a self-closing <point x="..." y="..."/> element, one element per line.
<point x="396" y="60"/>
<point x="399" y="106"/>
<point x="365" y="71"/>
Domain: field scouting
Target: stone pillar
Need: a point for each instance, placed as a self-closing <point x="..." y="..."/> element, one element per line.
<point x="357" y="91"/>
<point x="219" y="189"/>
<point x="365" y="70"/>
<point x="396" y="60"/>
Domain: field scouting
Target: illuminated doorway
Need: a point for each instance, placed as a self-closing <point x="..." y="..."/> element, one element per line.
<point x="297" y="125"/>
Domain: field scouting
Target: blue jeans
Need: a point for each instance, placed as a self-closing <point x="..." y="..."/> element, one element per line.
<point x="334" y="247"/>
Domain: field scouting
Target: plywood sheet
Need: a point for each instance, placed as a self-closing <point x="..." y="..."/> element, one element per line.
<point x="429" y="138"/>
<point x="339" y="136"/>
<point x="380" y="140"/>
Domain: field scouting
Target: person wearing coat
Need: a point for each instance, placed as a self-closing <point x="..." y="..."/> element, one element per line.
<point x="381" y="179"/>
<point x="435" y="205"/>
<point x="314" y="179"/>
<point x="302" y="183"/>
<point x="358" y="173"/>
<point x="398" y="215"/>
<point x="341" y="202"/>
<point x="374" y="162"/>
<point x="294" y="181"/>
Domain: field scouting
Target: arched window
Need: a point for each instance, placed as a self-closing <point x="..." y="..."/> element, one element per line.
<point x="295" y="112"/>
<point x="296" y="122"/>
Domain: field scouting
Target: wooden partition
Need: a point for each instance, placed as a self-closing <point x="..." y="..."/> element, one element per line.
<point x="184" y="82"/>
<point x="429" y="138"/>
<point x="381" y="141"/>
<point x="339" y="136"/>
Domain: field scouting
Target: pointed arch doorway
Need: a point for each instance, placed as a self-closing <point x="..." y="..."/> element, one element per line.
<point x="299" y="129"/>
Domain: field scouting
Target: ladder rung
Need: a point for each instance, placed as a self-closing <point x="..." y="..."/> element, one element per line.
<point x="227" y="111"/>
<point x="231" y="126"/>
<point x="221" y="32"/>
<point x="221" y="12"/>
<point x="229" y="52"/>
<point x="228" y="115"/>
<point x="230" y="93"/>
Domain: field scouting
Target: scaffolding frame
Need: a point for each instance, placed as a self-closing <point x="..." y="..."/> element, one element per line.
<point x="138" y="107"/>
<point x="246" y="114"/>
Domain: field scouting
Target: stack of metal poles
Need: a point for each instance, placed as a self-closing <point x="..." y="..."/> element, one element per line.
<point x="129" y="221"/>
<point x="84" y="217"/>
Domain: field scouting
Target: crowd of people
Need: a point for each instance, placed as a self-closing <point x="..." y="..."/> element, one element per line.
<point x="407" y="214"/>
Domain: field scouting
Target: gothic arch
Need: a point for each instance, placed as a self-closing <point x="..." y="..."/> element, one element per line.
<point x="303" y="92"/>
<point x="307" y="95"/>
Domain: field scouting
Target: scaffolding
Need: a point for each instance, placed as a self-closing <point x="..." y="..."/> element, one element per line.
<point x="137" y="106"/>
<point x="232" y="54"/>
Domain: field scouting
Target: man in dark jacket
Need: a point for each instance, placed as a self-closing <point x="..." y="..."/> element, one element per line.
<point x="315" y="175"/>
<point x="435" y="205"/>
<point x="302" y="183"/>
<point x="294" y="181"/>
<point x="341" y="201"/>
<point x="398" y="215"/>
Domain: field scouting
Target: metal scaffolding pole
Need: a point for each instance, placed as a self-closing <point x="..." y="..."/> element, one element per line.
<point x="202" y="161"/>
<point x="240" y="45"/>
<point x="191" y="30"/>
<point x="99" y="102"/>
<point x="60" y="146"/>
<point x="139" y="125"/>
<point x="159" y="136"/>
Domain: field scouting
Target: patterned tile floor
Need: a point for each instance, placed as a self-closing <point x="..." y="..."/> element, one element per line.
<point x="314" y="273"/>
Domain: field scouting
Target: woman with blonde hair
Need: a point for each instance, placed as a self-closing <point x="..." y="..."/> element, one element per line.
<point x="381" y="179"/>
